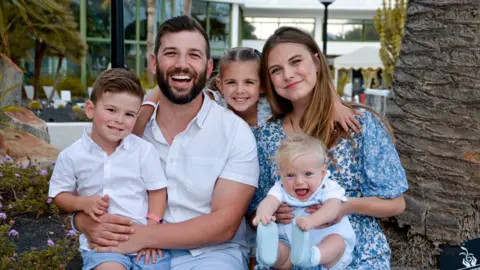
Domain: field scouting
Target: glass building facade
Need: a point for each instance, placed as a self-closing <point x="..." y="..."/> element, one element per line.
<point x="94" y="19"/>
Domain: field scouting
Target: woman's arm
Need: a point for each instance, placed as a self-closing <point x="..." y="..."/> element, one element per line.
<point x="146" y="111"/>
<point x="374" y="206"/>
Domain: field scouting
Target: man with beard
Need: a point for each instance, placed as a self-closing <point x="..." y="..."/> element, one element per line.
<point x="209" y="156"/>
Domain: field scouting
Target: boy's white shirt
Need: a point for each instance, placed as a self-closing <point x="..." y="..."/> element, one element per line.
<point x="125" y="175"/>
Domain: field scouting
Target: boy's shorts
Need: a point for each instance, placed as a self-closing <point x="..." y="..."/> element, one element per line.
<point x="92" y="259"/>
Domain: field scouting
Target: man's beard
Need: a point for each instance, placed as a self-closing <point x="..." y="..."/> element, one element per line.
<point x="168" y="92"/>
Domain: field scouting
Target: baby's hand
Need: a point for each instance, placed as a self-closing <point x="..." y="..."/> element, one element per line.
<point x="264" y="219"/>
<point x="149" y="252"/>
<point x="93" y="206"/>
<point x="305" y="223"/>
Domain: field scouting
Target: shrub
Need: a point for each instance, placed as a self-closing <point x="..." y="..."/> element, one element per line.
<point x="61" y="106"/>
<point x="25" y="191"/>
<point x="35" y="105"/>
<point x="74" y="84"/>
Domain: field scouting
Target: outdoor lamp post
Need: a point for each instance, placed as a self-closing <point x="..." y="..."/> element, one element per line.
<point x="326" y="3"/>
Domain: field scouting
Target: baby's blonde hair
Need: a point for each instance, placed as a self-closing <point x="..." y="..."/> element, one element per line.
<point x="297" y="145"/>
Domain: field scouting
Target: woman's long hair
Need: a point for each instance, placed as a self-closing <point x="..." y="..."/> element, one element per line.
<point x="317" y="118"/>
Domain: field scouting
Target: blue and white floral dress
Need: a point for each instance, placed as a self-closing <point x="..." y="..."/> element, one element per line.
<point x="367" y="164"/>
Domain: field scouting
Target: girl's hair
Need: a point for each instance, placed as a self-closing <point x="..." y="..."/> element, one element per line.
<point x="317" y="118"/>
<point x="297" y="145"/>
<point x="239" y="54"/>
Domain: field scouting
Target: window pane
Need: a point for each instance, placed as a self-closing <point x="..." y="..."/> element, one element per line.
<point x="352" y="32"/>
<point x="98" y="19"/>
<point x="130" y="56"/>
<point x="129" y="18"/>
<point x="219" y="25"/>
<point x="199" y="12"/>
<point x="370" y="33"/>
<point x="248" y="29"/>
<point x="98" y="58"/>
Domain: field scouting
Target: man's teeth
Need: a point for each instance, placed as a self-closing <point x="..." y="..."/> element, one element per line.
<point x="181" y="77"/>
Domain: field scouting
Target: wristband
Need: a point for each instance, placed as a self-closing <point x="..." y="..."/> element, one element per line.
<point x="72" y="222"/>
<point x="155" y="218"/>
<point x="151" y="103"/>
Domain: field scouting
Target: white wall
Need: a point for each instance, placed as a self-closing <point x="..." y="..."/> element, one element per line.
<point x="333" y="47"/>
<point x="64" y="134"/>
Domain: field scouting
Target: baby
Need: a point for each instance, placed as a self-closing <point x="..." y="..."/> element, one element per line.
<point x="301" y="160"/>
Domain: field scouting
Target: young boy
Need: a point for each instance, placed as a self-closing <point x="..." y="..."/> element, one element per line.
<point x="112" y="170"/>
<point x="305" y="182"/>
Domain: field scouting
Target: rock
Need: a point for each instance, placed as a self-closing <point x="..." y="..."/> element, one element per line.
<point x="27" y="149"/>
<point x="11" y="76"/>
<point x="26" y="120"/>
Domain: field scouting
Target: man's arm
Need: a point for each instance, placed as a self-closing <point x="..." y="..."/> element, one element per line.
<point x="230" y="201"/>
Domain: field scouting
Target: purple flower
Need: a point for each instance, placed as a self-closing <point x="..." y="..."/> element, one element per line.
<point x="43" y="172"/>
<point x="17" y="175"/>
<point x="1" y="198"/>
<point x="3" y="216"/>
<point x="50" y="243"/>
<point x="1" y="174"/>
<point x="71" y="233"/>
<point x="12" y="232"/>
<point x="9" y="159"/>
<point x="49" y="201"/>
<point x="1" y="206"/>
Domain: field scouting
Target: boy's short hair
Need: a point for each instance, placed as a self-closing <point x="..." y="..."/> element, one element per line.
<point x="297" y="145"/>
<point x="116" y="80"/>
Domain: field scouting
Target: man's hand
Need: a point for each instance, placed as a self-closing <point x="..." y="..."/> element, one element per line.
<point x="108" y="232"/>
<point x="284" y="214"/>
<point x="94" y="206"/>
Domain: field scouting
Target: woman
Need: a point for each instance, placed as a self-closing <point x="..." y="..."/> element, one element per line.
<point x="366" y="164"/>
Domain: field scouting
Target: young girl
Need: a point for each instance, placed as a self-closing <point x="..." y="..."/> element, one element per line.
<point x="238" y="86"/>
<point x="305" y="181"/>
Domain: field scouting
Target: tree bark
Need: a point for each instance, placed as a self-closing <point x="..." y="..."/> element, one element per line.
<point x="151" y="20"/>
<point x="39" y="53"/>
<point x="57" y="78"/>
<point x="435" y="112"/>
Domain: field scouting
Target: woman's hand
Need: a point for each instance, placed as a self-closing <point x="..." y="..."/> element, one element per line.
<point x="108" y="232"/>
<point x="284" y="214"/>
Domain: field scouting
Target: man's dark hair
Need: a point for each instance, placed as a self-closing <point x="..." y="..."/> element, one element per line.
<point x="116" y="80"/>
<point x="180" y="24"/>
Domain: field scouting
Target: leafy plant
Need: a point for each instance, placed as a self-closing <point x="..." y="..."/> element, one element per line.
<point x="24" y="190"/>
<point x="389" y="23"/>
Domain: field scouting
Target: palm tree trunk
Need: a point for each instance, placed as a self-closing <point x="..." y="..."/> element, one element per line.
<point x="39" y="53"/>
<point x="151" y="20"/>
<point x="435" y="114"/>
<point x="187" y="7"/>
<point x="57" y="78"/>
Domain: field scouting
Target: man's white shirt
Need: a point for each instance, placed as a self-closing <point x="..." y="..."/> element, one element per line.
<point x="125" y="175"/>
<point x="215" y="144"/>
